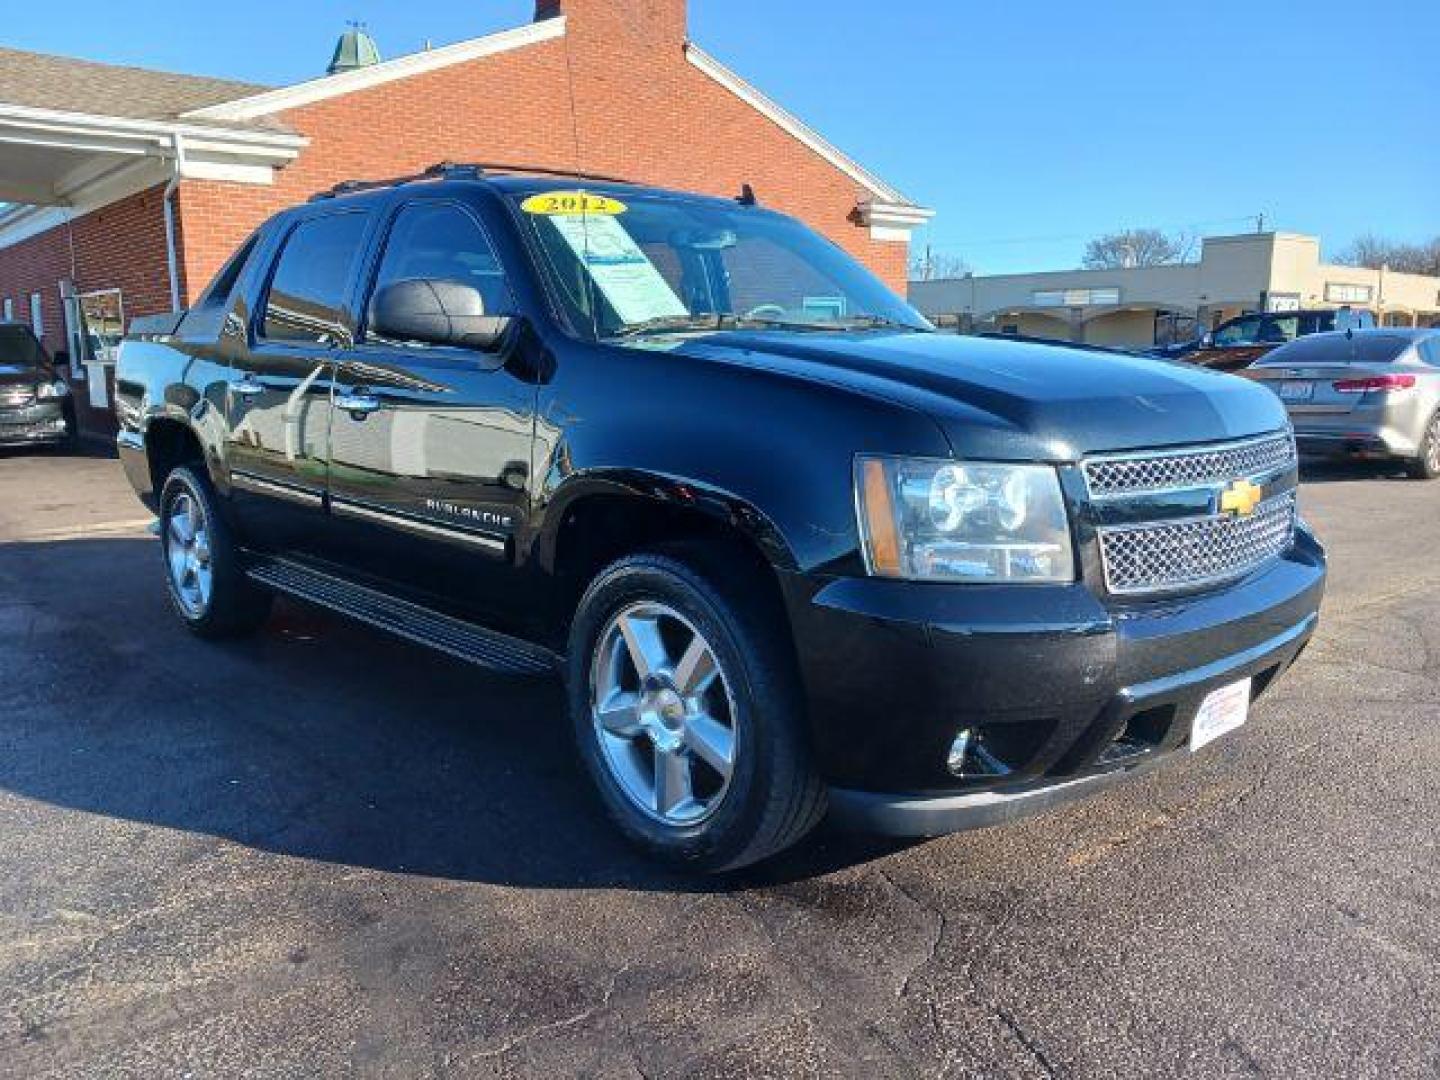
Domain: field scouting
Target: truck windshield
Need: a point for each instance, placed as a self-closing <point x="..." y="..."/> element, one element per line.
<point x="19" y="351"/>
<point x="639" y="265"/>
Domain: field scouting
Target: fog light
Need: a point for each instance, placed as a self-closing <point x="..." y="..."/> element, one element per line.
<point x="959" y="754"/>
<point x="968" y="757"/>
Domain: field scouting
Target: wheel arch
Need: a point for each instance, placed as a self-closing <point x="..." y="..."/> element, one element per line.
<point x="599" y="518"/>
<point x="170" y="442"/>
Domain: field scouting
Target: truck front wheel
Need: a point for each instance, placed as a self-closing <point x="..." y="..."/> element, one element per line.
<point x="207" y="583"/>
<point x="687" y="712"/>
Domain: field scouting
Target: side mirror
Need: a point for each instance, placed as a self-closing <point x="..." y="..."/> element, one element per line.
<point x="436" y="312"/>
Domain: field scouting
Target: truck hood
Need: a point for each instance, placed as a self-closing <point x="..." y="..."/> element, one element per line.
<point x="1013" y="400"/>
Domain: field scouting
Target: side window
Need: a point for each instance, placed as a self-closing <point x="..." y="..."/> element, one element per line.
<point x="1278" y="329"/>
<point x="310" y="285"/>
<point x="1430" y="351"/>
<point x="1240" y="332"/>
<point x="440" y="241"/>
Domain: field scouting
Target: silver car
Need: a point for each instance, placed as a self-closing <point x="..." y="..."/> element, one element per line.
<point x="1366" y="393"/>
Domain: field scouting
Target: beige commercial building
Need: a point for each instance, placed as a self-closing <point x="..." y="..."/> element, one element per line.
<point x="1147" y="305"/>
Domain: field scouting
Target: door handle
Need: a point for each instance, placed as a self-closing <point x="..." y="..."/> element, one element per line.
<point x="246" y="386"/>
<point x="357" y="403"/>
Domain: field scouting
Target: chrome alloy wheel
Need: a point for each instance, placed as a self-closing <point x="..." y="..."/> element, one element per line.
<point x="1432" y="446"/>
<point x="663" y="713"/>
<point x="187" y="554"/>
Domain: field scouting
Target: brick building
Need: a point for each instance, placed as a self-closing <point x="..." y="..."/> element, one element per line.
<point x="131" y="187"/>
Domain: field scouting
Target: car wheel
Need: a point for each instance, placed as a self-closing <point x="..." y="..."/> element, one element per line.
<point x="687" y="712"/>
<point x="1427" y="465"/>
<point x="207" y="584"/>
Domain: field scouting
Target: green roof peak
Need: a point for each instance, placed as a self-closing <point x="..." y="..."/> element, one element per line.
<point x="355" y="49"/>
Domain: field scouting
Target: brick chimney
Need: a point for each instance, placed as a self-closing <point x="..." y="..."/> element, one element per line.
<point x="644" y="22"/>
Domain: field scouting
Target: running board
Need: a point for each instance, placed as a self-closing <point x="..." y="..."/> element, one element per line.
<point x="462" y="640"/>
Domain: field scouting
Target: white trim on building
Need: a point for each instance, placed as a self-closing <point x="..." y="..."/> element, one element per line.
<point x="91" y="161"/>
<point x="366" y="78"/>
<point x="889" y="214"/>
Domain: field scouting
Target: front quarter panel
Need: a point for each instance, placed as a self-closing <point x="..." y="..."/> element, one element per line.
<point x="771" y="453"/>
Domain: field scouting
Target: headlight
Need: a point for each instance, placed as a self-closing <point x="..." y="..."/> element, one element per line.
<point x="52" y="391"/>
<point x="929" y="520"/>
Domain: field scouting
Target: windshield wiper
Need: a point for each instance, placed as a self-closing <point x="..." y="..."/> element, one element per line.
<point x="680" y="324"/>
<point x="676" y="324"/>
<point x="875" y="322"/>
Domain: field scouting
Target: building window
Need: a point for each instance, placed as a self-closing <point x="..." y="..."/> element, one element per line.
<point x="9" y="310"/>
<point x="103" y="313"/>
<point x="1340" y="293"/>
<point x="1074" y="297"/>
<point x="37" y="316"/>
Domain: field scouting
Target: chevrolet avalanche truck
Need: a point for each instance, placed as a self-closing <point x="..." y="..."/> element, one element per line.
<point x="789" y="547"/>
<point x="35" y="404"/>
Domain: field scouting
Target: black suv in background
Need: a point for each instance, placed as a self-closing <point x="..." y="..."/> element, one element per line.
<point x="35" y="403"/>
<point x="789" y="547"/>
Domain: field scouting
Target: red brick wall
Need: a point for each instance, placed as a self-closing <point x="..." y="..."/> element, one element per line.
<point x="120" y="246"/>
<point x="643" y="112"/>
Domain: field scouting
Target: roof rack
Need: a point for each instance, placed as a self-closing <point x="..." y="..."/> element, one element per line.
<point x="540" y="170"/>
<point x="454" y="170"/>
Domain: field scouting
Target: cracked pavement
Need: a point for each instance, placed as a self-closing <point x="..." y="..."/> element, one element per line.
<point x="324" y="852"/>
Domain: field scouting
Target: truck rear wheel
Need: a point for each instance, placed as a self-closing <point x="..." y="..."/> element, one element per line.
<point x="688" y="715"/>
<point x="207" y="583"/>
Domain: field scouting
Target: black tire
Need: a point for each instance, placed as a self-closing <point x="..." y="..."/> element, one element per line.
<point x="774" y="795"/>
<point x="1427" y="465"/>
<point x="70" y="444"/>
<point x="236" y="606"/>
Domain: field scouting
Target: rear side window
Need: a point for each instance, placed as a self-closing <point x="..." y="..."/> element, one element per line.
<point x="224" y="284"/>
<point x="312" y="280"/>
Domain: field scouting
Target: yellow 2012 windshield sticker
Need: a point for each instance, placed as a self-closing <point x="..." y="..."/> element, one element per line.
<point x="570" y="203"/>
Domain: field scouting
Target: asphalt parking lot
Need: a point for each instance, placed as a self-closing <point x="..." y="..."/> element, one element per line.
<point x="327" y="852"/>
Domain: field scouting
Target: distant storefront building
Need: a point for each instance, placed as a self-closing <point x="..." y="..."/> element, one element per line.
<point x="1150" y="305"/>
<point x="131" y="187"/>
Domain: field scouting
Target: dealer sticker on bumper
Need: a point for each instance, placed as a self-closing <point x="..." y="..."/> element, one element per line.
<point x="1220" y="713"/>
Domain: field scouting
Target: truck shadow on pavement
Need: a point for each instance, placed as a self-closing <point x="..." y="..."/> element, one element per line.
<point x="317" y="739"/>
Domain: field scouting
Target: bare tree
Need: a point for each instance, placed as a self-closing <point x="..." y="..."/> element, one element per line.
<point x="931" y="265"/>
<point x="1136" y="247"/>
<point x="1376" y="251"/>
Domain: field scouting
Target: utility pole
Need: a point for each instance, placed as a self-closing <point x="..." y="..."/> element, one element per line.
<point x="1259" y="223"/>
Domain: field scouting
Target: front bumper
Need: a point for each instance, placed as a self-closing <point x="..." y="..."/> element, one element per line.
<point x="44" y="422"/>
<point x="1069" y="690"/>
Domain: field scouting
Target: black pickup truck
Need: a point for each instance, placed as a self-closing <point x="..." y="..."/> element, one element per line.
<point x="788" y="547"/>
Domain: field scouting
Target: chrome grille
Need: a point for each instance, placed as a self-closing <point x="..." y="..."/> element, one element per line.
<point x="1171" y="555"/>
<point x="1133" y="474"/>
<point x="14" y="397"/>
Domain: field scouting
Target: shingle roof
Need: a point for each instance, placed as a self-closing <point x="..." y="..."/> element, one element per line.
<point x="43" y="81"/>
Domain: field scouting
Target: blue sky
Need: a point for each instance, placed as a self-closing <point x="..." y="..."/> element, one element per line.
<point x="1028" y="127"/>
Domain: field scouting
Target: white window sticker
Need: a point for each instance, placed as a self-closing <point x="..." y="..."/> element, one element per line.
<point x="620" y="269"/>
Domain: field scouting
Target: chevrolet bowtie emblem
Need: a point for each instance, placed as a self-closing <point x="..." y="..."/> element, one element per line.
<point x="1241" y="498"/>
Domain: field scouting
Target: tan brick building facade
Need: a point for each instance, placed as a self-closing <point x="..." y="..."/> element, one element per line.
<point x="603" y="86"/>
